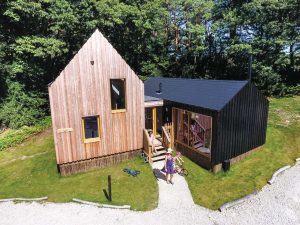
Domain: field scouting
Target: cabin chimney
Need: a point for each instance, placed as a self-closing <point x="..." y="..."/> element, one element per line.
<point x="159" y="88"/>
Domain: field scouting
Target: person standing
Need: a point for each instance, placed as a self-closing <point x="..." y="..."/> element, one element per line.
<point x="152" y="141"/>
<point x="169" y="166"/>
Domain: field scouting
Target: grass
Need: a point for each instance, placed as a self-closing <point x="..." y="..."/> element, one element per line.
<point x="37" y="176"/>
<point x="281" y="148"/>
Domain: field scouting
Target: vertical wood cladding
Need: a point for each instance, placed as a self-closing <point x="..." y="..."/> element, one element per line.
<point x="242" y="124"/>
<point x="239" y="127"/>
<point x="83" y="89"/>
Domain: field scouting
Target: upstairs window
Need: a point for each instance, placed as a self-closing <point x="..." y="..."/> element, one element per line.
<point x="118" y="95"/>
<point x="91" y="129"/>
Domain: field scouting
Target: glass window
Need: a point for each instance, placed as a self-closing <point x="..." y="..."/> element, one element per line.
<point x="185" y="117"/>
<point x="193" y="130"/>
<point x="91" y="128"/>
<point x="117" y="91"/>
<point x="179" y="125"/>
<point x="200" y="132"/>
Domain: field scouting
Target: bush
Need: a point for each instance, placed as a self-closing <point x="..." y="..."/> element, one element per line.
<point x="293" y="90"/>
<point x="14" y="137"/>
<point x="20" y="107"/>
<point x="267" y="80"/>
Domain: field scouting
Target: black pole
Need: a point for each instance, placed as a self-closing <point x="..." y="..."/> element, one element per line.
<point x="250" y="68"/>
<point x="109" y="188"/>
<point x="159" y="88"/>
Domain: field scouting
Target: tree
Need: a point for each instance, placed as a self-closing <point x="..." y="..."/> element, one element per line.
<point x="180" y="38"/>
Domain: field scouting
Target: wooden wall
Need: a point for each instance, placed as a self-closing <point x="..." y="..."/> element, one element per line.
<point x="242" y="124"/>
<point x="83" y="89"/>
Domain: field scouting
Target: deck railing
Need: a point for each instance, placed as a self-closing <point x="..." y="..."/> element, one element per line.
<point x="147" y="146"/>
<point x="166" y="140"/>
<point x="167" y="135"/>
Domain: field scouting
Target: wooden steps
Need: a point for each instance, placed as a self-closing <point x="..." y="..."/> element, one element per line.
<point x="158" y="137"/>
<point x="158" y="158"/>
<point x="198" y="145"/>
<point x="159" y="148"/>
<point x="160" y="151"/>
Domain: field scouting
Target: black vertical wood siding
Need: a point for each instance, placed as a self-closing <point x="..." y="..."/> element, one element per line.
<point x="239" y="127"/>
<point x="242" y="124"/>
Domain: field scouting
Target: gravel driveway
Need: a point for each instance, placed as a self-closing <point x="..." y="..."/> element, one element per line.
<point x="275" y="204"/>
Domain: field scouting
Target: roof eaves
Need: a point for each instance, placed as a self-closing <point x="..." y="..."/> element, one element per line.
<point x="205" y="108"/>
<point x="244" y="85"/>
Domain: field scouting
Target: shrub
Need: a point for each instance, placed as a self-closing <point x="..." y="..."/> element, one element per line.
<point x="14" y="137"/>
<point x="20" y="107"/>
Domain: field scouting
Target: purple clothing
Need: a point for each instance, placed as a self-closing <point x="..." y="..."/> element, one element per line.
<point x="170" y="166"/>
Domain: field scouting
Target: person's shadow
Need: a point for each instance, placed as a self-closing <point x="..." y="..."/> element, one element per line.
<point x="159" y="174"/>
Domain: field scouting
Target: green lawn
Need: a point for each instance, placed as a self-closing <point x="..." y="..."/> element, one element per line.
<point x="281" y="148"/>
<point x="37" y="176"/>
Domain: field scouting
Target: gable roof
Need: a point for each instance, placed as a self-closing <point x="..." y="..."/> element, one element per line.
<point x="99" y="50"/>
<point x="209" y="94"/>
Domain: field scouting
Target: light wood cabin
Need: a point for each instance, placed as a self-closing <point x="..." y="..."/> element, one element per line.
<point x="97" y="108"/>
<point x="101" y="116"/>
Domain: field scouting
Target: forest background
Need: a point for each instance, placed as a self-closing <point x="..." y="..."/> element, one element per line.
<point x="203" y="39"/>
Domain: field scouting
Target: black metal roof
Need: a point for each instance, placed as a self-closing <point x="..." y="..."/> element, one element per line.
<point x="209" y="94"/>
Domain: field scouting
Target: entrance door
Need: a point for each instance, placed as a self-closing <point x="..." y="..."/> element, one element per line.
<point x="148" y="118"/>
<point x="153" y="119"/>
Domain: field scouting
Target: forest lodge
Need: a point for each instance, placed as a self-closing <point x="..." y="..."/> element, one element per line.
<point x="102" y="114"/>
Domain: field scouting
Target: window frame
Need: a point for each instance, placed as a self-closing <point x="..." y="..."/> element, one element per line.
<point x="90" y="140"/>
<point x="125" y="97"/>
<point x="179" y="110"/>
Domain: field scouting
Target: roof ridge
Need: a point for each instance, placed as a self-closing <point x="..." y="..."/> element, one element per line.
<point x="197" y="79"/>
<point x="209" y="94"/>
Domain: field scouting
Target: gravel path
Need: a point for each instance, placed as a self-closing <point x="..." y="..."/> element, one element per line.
<point x="275" y="204"/>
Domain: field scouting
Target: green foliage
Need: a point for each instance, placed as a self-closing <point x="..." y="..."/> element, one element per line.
<point x="40" y="47"/>
<point x="292" y="90"/>
<point x="21" y="107"/>
<point x="180" y="38"/>
<point x="14" y="137"/>
<point x="267" y="79"/>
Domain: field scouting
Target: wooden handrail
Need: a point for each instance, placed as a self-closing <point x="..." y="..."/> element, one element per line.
<point x="166" y="139"/>
<point x="168" y="128"/>
<point x="166" y="134"/>
<point x="200" y="125"/>
<point x="147" y="146"/>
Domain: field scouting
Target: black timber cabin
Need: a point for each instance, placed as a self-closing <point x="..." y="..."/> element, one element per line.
<point x="215" y="122"/>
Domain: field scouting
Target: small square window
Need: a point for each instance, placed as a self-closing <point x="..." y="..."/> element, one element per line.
<point x="90" y="127"/>
<point x="118" y="95"/>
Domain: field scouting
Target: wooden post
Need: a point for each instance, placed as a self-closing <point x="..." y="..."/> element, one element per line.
<point x="154" y="121"/>
<point x="189" y="120"/>
<point x="109" y="188"/>
<point x="174" y="126"/>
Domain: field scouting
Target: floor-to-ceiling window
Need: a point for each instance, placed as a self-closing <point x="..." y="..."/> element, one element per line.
<point x="193" y="130"/>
